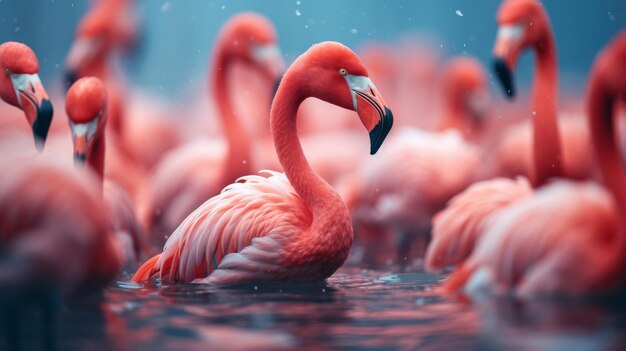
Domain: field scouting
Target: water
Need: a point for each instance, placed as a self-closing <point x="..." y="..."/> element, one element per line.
<point x="356" y="309"/>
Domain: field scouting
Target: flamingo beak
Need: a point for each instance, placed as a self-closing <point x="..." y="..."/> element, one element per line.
<point x="477" y="102"/>
<point x="371" y="108"/>
<point x="82" y="136"/>
<point x="33" y="100"/>
<point x="83" y="51"/>
<point x="506" y="51"/>
<point x="270" y="59"/>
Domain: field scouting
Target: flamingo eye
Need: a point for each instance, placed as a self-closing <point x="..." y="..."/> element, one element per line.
<point x="343" y="71"/>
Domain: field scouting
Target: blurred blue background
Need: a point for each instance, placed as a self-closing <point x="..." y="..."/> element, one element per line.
<point x="179" y="34"/>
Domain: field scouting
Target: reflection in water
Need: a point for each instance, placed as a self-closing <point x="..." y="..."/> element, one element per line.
<point x="355" y="309"/>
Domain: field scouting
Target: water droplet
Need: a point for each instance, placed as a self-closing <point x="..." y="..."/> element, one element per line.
<point x="298" y="13"/>
<point x="611" y="16"/>
<point x="166" y="6"/>
<point x="244" y="162"/>
<point x="459" y="13"/>
<point x="354" y="31"/>
<point x="298" y="2"/>
<point x="419" y="301"/>
<point x="256" y="287"/>
<point x="534" y="113"/>
<point x="223" y="7"/>
<point x="306" y="26"/>
<point x="323" y="290"/>
<point x="17" y="29"/>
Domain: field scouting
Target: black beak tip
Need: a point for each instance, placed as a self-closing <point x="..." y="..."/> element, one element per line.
<point x="70" y="78"/>
<point x="79" y="158"/>
<point x="42" y="123"/>
<point x="276" y="85"/>
<point x="380" y="131"/>
<point x="505" y="77"/>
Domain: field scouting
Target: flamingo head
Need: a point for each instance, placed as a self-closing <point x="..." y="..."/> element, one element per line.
<point x="521" y="24"/>
<point x="464" y="87"/>
<point x="333" y="73"/>
<point x="20" y="86"/>
<point x="109" y="24"/>
<point x="251" y="38"/>
<point x="86" y="109"/>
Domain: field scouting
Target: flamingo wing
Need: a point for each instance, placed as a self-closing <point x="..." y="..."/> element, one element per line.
<point x="457" y="228"/>
<point x="556" y="242"/>
<point x="238" y="234"/>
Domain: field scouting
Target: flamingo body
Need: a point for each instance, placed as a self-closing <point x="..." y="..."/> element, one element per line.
<point x="457" y="228"/>
<point x="552" y="243"/>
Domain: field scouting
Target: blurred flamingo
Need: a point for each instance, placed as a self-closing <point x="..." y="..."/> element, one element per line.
<point x="420" y="171"/>
<point x="535" y="247"/>
<point x="525" y="24"/>
<point x="54" y="230"/>
<point x="194" y="172"/>
<point x="457" y="228"/>
<point x="135" y="139"/>
<point x="284" y="227"/>
<point x="52" y="225"/>
<point x="87" y="112"/>
<point x="21" y="87"/>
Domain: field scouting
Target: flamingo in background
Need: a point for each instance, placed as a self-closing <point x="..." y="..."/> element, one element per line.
<point x="21" y="87"/>
<point x="87" y="113"/>
<point x="567" y="238"/>
<point x="285" y="227"/>
<point x="110" y="25"/>
<point x="52" y="225"/>
<point x="525" y="24"/>
<point x="189" y="175"/>
<point x="457" y="228"/>
<point x="420" y="171"/>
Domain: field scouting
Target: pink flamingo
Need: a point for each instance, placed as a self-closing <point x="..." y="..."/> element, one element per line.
<point x="535" y="247"/>
<point x="457" y="228"/>
<point x="420" y="171"/>
<point x="87" y="113"/>
<point x="52" y="224"/>
<point x="21" y="87"/>
<point x="109" y="25"/>
<point x="285" y="227"/>
<point x="525" y="24"/>
<point x="189" y="175"/>
<point x="54" y="229"/>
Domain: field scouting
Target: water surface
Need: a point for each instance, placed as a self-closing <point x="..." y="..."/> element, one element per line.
<point x="356" y="309"/>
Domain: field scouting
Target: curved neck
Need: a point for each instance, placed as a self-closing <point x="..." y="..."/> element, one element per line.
<point x="95" y="158"/>
<point x="601" y="104"/>
<point x="238" y="158"/>
<point x="546" y="145"/>
<point x="325" y="204"/>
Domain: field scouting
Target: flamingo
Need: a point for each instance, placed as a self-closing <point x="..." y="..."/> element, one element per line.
<point x="194" y="172"/>
<point x="535" y="247"/>
<point x="86" y="110"/>
<point x="457" y="228"/>
<point x="525" y="24"/>
<point x="109" y="25"/>
<point x="52" y="225"/>
<point x="283" y="227"/>
<point x="21" y="87"/>
<point x="420" y="171"/>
